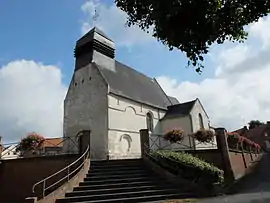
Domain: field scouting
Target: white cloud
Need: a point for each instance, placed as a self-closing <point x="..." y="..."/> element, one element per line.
<point x="32" y="97"/>
<point x="112" y="21"/>
<point x="240" y="89"/>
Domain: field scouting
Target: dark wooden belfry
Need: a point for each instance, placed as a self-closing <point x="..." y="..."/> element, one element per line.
<point x="94" y="40"/>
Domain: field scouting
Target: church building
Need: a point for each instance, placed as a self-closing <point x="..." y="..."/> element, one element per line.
<point x="115" y="101"/>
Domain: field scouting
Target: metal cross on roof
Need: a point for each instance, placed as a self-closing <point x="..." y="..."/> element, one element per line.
<point x="95" y="17"/>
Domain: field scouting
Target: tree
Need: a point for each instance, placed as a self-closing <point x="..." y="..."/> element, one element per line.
<point x="193" y="26"/>
<point x="30" y="144"/>
<point x="254" y="123"/>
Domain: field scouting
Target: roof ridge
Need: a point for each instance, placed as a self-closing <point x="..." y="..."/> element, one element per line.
<point x="94" y="30"/>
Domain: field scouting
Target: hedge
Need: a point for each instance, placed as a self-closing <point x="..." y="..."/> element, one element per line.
<point x="189" y="167"/>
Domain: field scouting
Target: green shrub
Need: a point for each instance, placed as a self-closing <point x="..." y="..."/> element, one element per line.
<point x="189" y="167"/>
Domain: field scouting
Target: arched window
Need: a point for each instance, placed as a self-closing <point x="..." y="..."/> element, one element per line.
<point x="149" y="121"/>
<point x="201" y="121"/>
<point x="125" y="141"/>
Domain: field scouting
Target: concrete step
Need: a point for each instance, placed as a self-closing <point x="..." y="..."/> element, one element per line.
<point x="114" y="185"/>
<point x="116" y="162"/>
<point x="117" y="176"/>
<point x="107" y="181"/>
<point x="113" y="172"/>
<point x="111" y="196"/>
<point x="121" y="168"/>
<point x="115" y="190"/>
<point x="151" y="198"/>
<point x="115" y="166"/>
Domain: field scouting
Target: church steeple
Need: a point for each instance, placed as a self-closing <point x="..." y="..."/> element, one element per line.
<point x="94" y="46"/>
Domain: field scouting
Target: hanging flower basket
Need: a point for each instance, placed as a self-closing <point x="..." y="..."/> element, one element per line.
<point x="174" y="135"/>
<point x="204" y="135"/>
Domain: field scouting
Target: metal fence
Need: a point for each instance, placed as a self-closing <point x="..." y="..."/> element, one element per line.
<point x="49" y="147"/>
<point x="157" y="142"/>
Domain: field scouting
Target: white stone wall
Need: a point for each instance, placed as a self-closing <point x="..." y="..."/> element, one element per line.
<point x="197" y="108"/>
<point x="86" y="108"/>
<point x="126" y="118"/>
<point x="184" y="123"/>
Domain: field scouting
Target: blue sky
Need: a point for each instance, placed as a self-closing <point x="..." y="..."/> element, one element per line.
<point x="37" y="62"/>
<point x="47" y="32"/>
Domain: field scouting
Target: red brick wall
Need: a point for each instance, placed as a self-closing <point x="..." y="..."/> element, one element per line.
<point x="18" y="176"/>
<point x="238" y="162"/>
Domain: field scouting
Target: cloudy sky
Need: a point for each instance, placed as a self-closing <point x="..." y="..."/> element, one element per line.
<point x="36" y="65"/>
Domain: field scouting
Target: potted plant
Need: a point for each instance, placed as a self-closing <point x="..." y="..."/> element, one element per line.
<point x="174" y="135"/>
<point x="203" y="135"/>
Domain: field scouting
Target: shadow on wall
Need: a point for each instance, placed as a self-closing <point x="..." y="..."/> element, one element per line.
<point x="17" y="176"/>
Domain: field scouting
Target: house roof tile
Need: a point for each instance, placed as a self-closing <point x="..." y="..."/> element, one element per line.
<point x="53" y="142"/>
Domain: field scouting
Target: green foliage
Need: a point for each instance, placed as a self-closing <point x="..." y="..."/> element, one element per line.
<point x="232" y="139"/>
<point x="190" y="167"/>
<point x="254" y="123"/>
<point x="193" y="26"/>
<point x="174" y="135"/>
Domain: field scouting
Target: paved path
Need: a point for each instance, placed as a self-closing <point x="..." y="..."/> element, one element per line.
<point x="254" y="188"/>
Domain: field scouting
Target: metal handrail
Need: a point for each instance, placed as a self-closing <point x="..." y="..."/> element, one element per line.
<point x="43" y="182"/>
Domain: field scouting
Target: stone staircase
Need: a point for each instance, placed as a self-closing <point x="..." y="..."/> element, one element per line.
<point x="123" y="181"/>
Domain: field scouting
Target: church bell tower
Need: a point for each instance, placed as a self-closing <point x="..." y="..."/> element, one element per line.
<point x="94" y="46"/>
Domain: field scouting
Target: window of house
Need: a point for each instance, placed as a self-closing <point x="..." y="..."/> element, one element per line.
<point x="149" y="121"/>
<point x="201" y="121"/>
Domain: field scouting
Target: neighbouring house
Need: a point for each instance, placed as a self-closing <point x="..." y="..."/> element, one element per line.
<point x="259" y="134"/>
<point x="115" y="101"/>
<point x="52" y="146"/>
<point x="9" y="152"/>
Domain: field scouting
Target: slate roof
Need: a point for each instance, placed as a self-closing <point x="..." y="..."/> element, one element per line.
<point x="90" y="35"/>
<point x="241" y="131"/>
<point x="173" y="100"/>
<point x="180" y="109"/>
<point x="129" y="83"/>
<point x="125" y="81"/>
